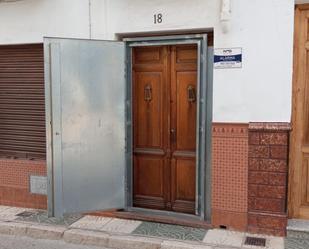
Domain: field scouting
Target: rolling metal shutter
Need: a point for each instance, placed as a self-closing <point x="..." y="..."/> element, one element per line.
<point x="22" y="108"/>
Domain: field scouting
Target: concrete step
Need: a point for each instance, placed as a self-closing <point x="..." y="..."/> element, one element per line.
<point x="298" y="229"/>
<point x="297" y="234"/>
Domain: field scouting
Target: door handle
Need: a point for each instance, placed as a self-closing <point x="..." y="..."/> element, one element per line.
<point x="147" y="93"/>
<point x="173" y="135"/>
<point x="191" y="94"/>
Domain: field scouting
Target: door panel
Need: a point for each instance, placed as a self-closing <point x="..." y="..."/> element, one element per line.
<point x="149" y="182"/>
<point x="306" y="177"/>
<point x="164" y="114"/>
<point x="148" y="169"/>
<point x="183" y="85"/>
<point x="183" y="185"/>
<point x="150" y="127"/>
<point x="186" y="110"/>
<point x="149" y="120"/>
<point x="85" y="101"/>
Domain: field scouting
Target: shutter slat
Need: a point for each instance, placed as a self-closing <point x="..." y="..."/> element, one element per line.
<point x="22" y="127"/>
<point x="17" y="112"/>
<point x="22" y="106"/>
<point x="23" y="133"/>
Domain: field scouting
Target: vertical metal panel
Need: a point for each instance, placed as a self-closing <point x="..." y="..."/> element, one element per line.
<point x="202" y="127"/>
<point x="198" y="188"/>
<point x="50" y="191"/>
<point x="22" y="116"/>
<point x="56" y="128"/>
<point x="88" y="124"/>
<point x="208" y="135"/>
<point x="129" y="129"/>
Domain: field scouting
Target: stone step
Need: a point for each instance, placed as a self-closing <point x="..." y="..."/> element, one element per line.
<point x="297" y="234"/>
<point x="298" y="228"/>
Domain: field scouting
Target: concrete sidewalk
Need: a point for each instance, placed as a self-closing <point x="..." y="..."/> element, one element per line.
<point x="120" y="233"/>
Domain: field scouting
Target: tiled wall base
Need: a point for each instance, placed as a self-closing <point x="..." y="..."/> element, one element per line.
<point x="267" y="179"/>
<point x="230" y="175"/>
<point x="265" y="223"/>
<point x="20" y="197"/>
<point x="234" y="220"/>
<point x="14" y="183"/>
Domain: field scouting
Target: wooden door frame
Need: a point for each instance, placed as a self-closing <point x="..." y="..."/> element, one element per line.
<point x="204" y="120"/>
<point x="295" y="210"/>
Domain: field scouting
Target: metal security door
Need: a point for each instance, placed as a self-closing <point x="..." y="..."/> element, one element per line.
<point x="85" y="112"/>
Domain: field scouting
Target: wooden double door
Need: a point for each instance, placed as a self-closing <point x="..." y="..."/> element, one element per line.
<point x="164" y="127"/>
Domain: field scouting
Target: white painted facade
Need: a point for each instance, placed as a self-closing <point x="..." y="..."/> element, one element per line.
<point x="260" y="91"/>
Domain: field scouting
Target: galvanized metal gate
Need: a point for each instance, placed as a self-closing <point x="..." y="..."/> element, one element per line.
<point x="85" y="112"/>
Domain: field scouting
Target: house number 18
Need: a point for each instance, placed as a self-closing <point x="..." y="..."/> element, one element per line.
<point x="157" y="18"/>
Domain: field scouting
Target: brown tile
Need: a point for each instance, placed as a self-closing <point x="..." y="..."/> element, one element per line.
<point x="269" y="126"/>
<point x="272" y="222"/>
<point x="268" y="205"/>
<point x="251" y="203"/>
<point x="278" y="138"/>
<point x="256" y="177"/>
<point x="232" y="220"/>
<point x="267" y="231"/>
<point x="273" y="165"/>
<point x="278" y="192"/>
<point x="10" y="194"/>
<point x="279" y="152"/>
<point x="254" y="164"/>
<point x="41" y="201"/>
<point x="259" y="151"/>
<point x="253" y="190"/>
<point x="254" y="138"/>
<point x="278" y="179"/>
<point x="19" y="195"/>
<point x="252" y="220"/>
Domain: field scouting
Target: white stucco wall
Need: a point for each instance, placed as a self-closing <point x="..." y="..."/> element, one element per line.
<point x="260" y="91"/>
<point x="29" y="20"/>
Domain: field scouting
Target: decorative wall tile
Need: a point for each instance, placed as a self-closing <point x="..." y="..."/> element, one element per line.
<point x="229" y="174"/>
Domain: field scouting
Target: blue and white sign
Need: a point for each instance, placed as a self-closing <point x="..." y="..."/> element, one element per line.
<point x="228" y="58"/>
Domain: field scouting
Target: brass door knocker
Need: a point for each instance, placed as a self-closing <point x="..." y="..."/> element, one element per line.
<point x="191" y="94"/>
<point x="148" y="93"/>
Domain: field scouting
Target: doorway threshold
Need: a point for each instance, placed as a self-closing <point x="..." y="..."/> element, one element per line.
<point x="163" y="217"/>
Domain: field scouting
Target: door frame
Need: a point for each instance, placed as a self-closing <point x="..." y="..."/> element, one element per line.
<point x="203" y="128"/>
<point x="295" y="193"/>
